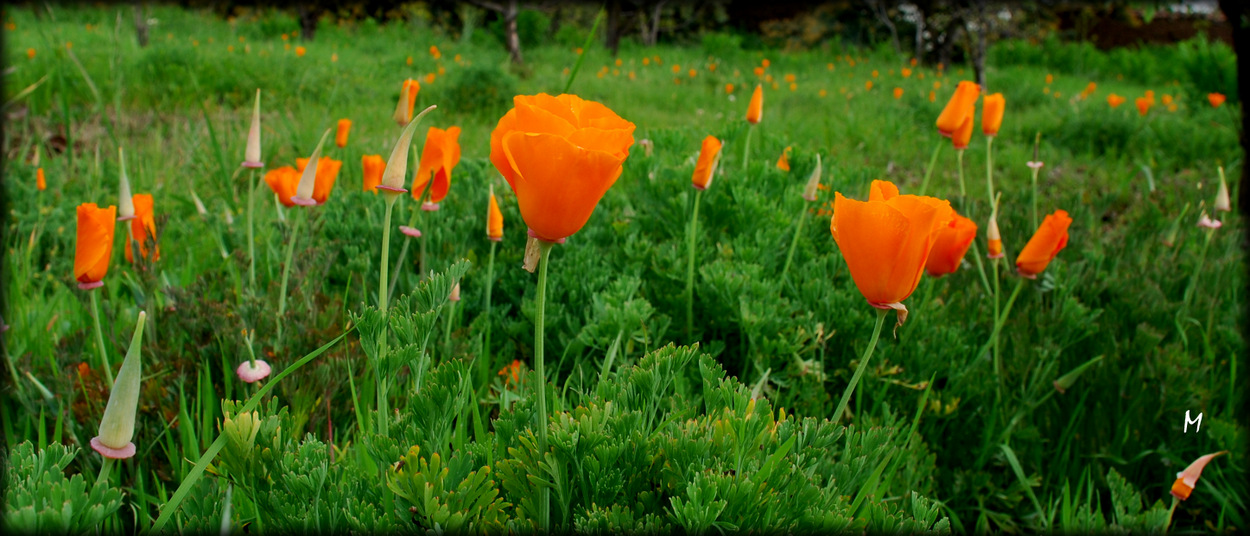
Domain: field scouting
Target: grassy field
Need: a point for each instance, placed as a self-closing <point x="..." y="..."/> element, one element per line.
<point x="728" y="426"/>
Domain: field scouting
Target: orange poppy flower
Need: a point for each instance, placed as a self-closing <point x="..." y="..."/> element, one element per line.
<point x="950" y="246"/>
<point x="340" y="136"/>
<point x="511" y="372"/>
<point x="755" y="110"/>
<point x="1143" y="105"/>
<point x="1050" y="78"/>
<point x="299" y="51"/>
<point x="906" y="72"/>
<point x="765" y="63"/>
<point x="143" y="228"/>
<point x="952" y="116"/>
<point x="992" y="114"/>
<point x="373" y="166"/>
<point x="886" y="240"/>
<point x="283" y="181"/>
<point x="1049" y="239"/>
<point x="438" y="158"/>
<point x="40" y="182"/>
<point x="94" y="246"/>
<point x="1114" y="100"/>
<point x="434" y="52"/>
<point x="327" y="174"/>
<point x="709" y="157"/>
<point x="30" y="53"/>
<point x="1216" y="99"/>
<point x="783" y="163"/>
<point x="494" y="218"/>
<point x="994" y="239"/>
<point x="759" y="71"/>
<point x="868" y="85"/>
<point x="729" y="89"/>
<point x="963" y="134"/>
<point x="560" y="155"/>
<point x="410" y="88"/>
<point x="898" y="93"/>
<point x="932" y="96"/>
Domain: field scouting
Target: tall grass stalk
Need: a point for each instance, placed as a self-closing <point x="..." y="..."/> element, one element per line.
<point x="863" y="364"/>
<point x="286" y="271"/>
<point x="690" y="242"/>
<point x="99" y="338"/>
<point x="928" y="172"/>
<point x="484" y="365"/>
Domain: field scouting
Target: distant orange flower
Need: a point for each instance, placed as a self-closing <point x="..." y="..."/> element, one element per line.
<point x="143" y="228"/>
<point x="94" y="245"/>
<point x="759" y="71"/>
<point x="950" y="246"/>
<point x="1114" y="100"/>
<point x="963" y="135"/>
<point x="789" y="78"/>
<point x="964" y="99"/>
<point x="906" y="72"/>
<point x="1166" y="100"/>
<point x="783" y="163"/>
<point x="511" y="373"/>
<point x="868" y="85"/>
<point x="40" y="182"/>
<point x="429" y="78"/>
<point x="1050" y="238"/>
<point x="886" y="240"/>
<point x="560" y="155"/>
<point x="765" y="63"/>
<point x="646" y="61"/>
<point x="409" y="60"/>
<point x="874" y="73"/>
<point x="992" y="114"/>
<point x="755" y="110"/>
<point x="709" y="157"/>
<point x="299" y="51"/>
<point x="932" y="96"/>
<point x="676" y="68"/>
<point x="1050" y="78"/>
<point x="434" y="52"/>
<point x="1143" y="105"/>
<point x="438" y="159"/>
<point x="1216" y="99"/>
<point x="898" y="93"/>
<point x="729" y="89"/>
<point x="618" y="62"/>
<point x="340" y="136"/>
<point x="494" y="218"/>
<point x="373" y="166"/>
<point x="913" y="62"/>
<point x="30" y="53"/>
<point x="327" y="174"/>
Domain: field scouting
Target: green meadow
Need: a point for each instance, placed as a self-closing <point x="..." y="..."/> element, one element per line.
<point x="659" y="418"/>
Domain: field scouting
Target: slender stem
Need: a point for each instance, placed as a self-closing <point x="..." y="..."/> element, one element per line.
<point x="403" y="252"/>
<point x="451" y="313"/>
<point x="425" y="237"/>
<point x="540" y="379"/>
<point x="1002" y="319"/>
<point x="383" y="425"/>
<point x="251" y="233"/>
<point x="924" y="184"/>
<point x="989" y="168"/>
<point x="299" y="218"/>
<point x="959" y="157"/>
<point x="1193" y="278"/>
<point x="105" y="469"/>
<point x="1168" y="524"/>
<point x="484" y="366"/>
<point x="976" y="255"/>
<point x="691" y="238"/>
<point x="863" y="364"/>
<point x="1035" y="170"/>
<point x="798" y="231"/>
<point x="994" y="338"/>
<point x="746" y="147"/>
<point x="99" y="339"/>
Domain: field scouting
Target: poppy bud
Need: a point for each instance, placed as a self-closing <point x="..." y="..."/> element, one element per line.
<point x="455" y="293"/>
<point x="94" y="245"/>
<point x="40" y="182"/>
<point x="1206" y="221"/>
<point x="340" y="137"/>
<point x="813" y="182"/>
<point x="965" y="98"/>
<point x="992" y="114"/>
<point x="1187" y="479"/>
<point x="963" y="135"/>
<point x="755" y="110"/>
<point x="251" y="157"/>
<point x="373" y="166"/>
<point x="995" y="239"/>
<point x="125" y="203"/>
<point x="1222" y="202"/>
<point x="308" y="181"/>
<point x="1050" y="238"/>
<point x="1065" y="382"/>
<point x="397" y="164"/>
<point x="783" y="163"/>
<point x="117" y="426"/>
<point x="494" y="218"/>
<point x="709" y="158"/>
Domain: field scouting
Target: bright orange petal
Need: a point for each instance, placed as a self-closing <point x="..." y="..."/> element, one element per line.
<point x="557" y="184"/>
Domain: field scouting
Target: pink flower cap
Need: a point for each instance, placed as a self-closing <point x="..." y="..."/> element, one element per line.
<point x="304" y="201"/>
<point x="127" y="451"/>
<point x="1209" y="223"/>
<point x="253" y="375"/>
<point x="530" y="232"/>
<point x="89" y="286"/>
<point x="391" y="189"/>
<point x="429" y="207"/>
<point x="410" y="231"/>
<point x="126" y="218"/>
<point x="253" y="164"/>
<point x="1035" y="165"/>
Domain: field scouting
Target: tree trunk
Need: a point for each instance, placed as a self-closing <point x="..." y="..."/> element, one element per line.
<point x="308" y="16"/>
<point x="655" y="22"/>
<point x="141" y="24"/>
<point x="1236" y="11"/>
<point x="514" y="38"/>
<point x="920" y="36"/>
<point x="612" y="37"/>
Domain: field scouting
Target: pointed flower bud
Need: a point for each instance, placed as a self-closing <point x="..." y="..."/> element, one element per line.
<point x="397" y="164"/>
<point x="251" y="157"/>
<point x="995" y="238"/>
<point x="494" y="218"/>
<point x="340" y="136"/>
<point x="199" y="205"/>
<point x="1187" y="479"/>
<point x="125" y="202"/>
<point x="455" y="293"/>
<point x="1222" y="202"/>
<point x="1065" y="382"/>
<point x="1206" y="221"/>
<point x="813" y="182"/>
<point x="308" y="181"/>
<point x="117" y="427"/>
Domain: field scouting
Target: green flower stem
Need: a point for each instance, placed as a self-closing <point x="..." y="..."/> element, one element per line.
<point x="540" y="379"/>
<point x="105" y="469"/>
<point x="251" y="233"/>
<point x="1002" y="319"/>
<point x="746" y="147"/>
<point x="798" y="231"/>
<point x="994" y="337"/>
<point x="863" y="364"/>
<point x="928" y="172"/>
<point x="99" y="339"/>
<point x="691" y="238"/>
<point x="299" y="218"/>
<point x="484" y="365"/>
<point x="383" y="425"/>
<point x="989" y="168"/>
<point x="1035" y="171"/>
<point x="451" y="315"/>
<point x="1193" y="278"/>
<point x="403" y="252"/>
<point x="959" y="157"/>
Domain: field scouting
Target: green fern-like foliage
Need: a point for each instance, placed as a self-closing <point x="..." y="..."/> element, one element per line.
<point x="38" y="498"/>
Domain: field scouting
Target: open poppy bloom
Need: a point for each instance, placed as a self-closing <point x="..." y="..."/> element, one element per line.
<point x="434" y="52"/>
<point x="963" y="135"/>
<point x="755" y="110"/>
<point x="1143" y="105"/>
<point x="783" y="163"/>
<point x="886" y="241"/>
<point x="143" y="228"/>
<point x="283" y="181"/>
<point x="1216" y="99"/>
<point x="560" y="155"/>
<point x="1114" y="100"/>
<point x="964" y="99"/>
<point x="1187" y="479"/>
<point x="709" y="157"/>
<point x="992" y="114"/>
<point x="494" y="218"/>
<point x="1050" y="238"/>
<point x="373" y="166"/>
<point x="898" y="93"/>
<point x="340" y="136"/>
<point x="438" y="158"/>
<point x="327" y="174"/>
<point x="94" y="245"/>
<point x="952" y="243"/>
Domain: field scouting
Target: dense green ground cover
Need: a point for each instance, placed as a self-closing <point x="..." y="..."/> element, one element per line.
<point x="651" y="435"/>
